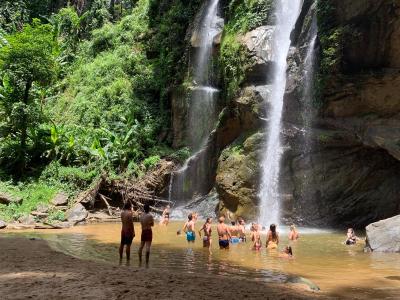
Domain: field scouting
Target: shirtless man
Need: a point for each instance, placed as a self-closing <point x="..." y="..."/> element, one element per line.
<point x="127" y="231"/>
<point x="147" y="221"/>
<point x="188" y="228"/>
<point x="223" y="234"/>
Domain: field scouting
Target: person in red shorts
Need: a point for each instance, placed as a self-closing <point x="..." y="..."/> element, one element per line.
<point x="147" y="221"/>
<point x="127" y="232"/>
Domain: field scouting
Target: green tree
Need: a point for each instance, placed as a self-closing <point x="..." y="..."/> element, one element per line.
<point x="27" y="67"/>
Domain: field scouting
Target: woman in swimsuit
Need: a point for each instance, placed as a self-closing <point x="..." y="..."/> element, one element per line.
<point x="207" y="234"/>
<point x="256" y="237"/>
<point x="293" y="234"/>
<point x="272" y="237"/>
<point x="165" y="216"/>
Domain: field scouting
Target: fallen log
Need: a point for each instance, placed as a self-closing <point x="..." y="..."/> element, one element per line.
<point x="102" y="197"/>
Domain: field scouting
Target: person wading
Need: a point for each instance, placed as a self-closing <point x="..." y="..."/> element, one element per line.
<point x="188" y="228"/>
<point x="147" y="221"/>
<point x="223" y="234"/>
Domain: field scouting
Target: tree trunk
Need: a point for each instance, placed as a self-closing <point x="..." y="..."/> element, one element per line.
<point x="112" y="9"/>
<point x="24" y="128"/>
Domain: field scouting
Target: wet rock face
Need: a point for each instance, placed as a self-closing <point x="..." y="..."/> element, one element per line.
<point x="384" y="236"/>
<point x="372" y="33"/>
<point x="238" y="178"/>
<point x="348" y="175"/>
<point x="344" y="170"/>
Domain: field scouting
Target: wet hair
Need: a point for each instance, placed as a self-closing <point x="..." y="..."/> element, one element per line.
<point x="190" y="217"/>
<point x="272" y="227"/>
<point x="146" y="208"/>
<point x="292" y="227"/>
<point x="233" y="223"/>
<point x="289" y="250"/>
<point x="128" y="205"/>
<point x="208" y="220"/>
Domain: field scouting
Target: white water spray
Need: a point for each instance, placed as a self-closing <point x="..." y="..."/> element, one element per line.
<point x="192" y="180"/>
<point x="287" y="12"/>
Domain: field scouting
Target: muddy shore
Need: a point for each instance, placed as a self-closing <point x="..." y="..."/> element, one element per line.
<point x="30" y="269"/>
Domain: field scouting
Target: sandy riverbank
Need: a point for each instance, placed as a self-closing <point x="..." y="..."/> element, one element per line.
<point x="31" y="269"/>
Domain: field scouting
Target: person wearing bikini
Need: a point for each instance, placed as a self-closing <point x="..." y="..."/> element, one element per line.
<point x="165" y="216"/>
<point x="207" y="234"/>
<point x="272" y="237"/>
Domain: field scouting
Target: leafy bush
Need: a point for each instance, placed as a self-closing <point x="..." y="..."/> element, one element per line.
<point x="151" y="161"/>
<point x="33" y="194"/>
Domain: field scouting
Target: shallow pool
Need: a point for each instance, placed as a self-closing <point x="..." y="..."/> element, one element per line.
<point x="319" y="256"/>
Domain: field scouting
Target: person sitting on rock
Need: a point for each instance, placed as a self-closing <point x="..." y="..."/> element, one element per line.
<point x="351" y="238"/>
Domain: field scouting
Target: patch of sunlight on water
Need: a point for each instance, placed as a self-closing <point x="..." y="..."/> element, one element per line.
<point x="320" y="256"/>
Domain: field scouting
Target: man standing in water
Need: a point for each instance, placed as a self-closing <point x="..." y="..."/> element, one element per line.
<point x="147" y="221"/>
<point x="188" y="228"/>
<point x="127" y="232"/>
<point x="223" y="234"/>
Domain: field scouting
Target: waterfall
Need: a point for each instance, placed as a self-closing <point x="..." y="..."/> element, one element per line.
<point x="308" y="90"/>
<point x="191" y="180"/>
<point x="307" y="103"/>
<point x="286" y="13"/>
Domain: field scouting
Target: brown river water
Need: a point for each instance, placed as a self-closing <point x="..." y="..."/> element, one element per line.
<point x="319" y="256"/>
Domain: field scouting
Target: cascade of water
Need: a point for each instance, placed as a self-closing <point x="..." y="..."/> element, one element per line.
<point x="286" y="13"/>
<point x="307" y="99"/>
<point x="191" y="179"/>
<point x="308" y="90"/>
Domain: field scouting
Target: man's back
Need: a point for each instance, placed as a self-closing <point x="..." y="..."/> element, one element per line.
<point x="146" y="220"/>
<point x="127" y="221"/>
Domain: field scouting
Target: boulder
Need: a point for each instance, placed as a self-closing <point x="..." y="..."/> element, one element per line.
<point x="27" y="220"/>
<point x="384" y="235"/>
<point x="238" y="176"/>
<point x="60" y="199"/>
<point x="3" y="224"/>
<point x="77" y="213"/>
<point x="42" y="208"/>
<point x="7" y="199"/>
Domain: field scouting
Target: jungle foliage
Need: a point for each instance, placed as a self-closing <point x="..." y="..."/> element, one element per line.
<point x="84" y="89"/>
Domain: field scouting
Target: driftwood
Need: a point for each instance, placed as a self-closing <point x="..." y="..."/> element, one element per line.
<point x="113" y="194"/>
<point x="104" y="198"/>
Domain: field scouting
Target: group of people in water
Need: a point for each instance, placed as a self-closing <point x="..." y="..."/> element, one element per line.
<point x="234" y="233"/>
